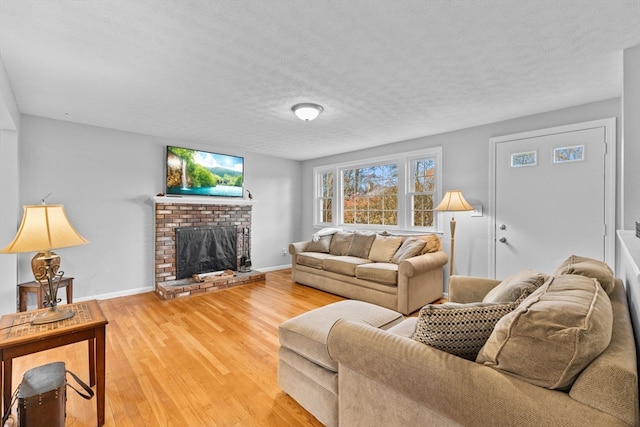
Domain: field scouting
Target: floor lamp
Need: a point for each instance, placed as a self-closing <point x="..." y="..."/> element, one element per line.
<point x="453" y="202"/>
<point x="43" y="228"/>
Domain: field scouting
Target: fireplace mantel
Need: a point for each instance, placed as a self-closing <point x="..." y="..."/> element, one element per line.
<point x="195" y="200"/>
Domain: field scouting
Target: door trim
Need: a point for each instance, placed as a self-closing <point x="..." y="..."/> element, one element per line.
<point x="609" y="125"/>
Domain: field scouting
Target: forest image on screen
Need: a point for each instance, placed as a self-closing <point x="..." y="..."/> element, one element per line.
<point x="201" y="173"/>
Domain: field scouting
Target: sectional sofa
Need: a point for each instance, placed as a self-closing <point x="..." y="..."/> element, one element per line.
<point x="399" y="272"/>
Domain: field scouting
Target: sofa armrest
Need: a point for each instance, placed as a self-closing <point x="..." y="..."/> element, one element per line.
<point x="297" y="247"/>
<point x="420" y="281"/>
<point x="413" y="266"/>
<point x="432" y="381"/>
<point x="465" y="289"/>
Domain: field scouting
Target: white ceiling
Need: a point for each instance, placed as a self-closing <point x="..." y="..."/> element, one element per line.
<point x="226" y="73"/>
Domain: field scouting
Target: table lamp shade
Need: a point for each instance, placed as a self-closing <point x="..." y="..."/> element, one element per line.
<point x="43" y="228"/>
<point x="453" y="201"/>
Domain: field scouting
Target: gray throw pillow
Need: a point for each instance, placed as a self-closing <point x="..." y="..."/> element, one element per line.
<point x="322" y="245"/>
<point x="340" y="243"/>
<point x="409" y="248"/>
<point x="361" y="244"/>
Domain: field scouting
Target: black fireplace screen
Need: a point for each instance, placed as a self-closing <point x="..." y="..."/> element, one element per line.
<point x="205" y="249"/>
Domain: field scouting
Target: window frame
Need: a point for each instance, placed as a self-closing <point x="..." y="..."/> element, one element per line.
<point x="403" y="161"/>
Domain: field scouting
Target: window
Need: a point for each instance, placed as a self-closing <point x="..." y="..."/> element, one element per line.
<point x="394" y="192"/>
<point x="370" y="195"/>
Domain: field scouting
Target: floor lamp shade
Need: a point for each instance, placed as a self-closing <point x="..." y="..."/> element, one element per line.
<point x="453" y="201"/>
<point x="44" y="228"/>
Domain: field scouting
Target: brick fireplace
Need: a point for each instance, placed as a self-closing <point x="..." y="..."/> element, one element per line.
<point x="178" y="212"/>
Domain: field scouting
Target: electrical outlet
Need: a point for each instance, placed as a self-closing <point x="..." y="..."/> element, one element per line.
<point x="284" y="252"/>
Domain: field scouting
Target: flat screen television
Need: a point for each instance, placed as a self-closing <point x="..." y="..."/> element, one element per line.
<point x="203" y="173"/>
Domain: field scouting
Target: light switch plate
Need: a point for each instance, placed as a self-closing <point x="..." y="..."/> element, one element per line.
<point x="477" y="210"/>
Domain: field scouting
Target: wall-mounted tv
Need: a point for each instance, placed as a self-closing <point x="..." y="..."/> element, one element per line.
<point x="202" y="173"/>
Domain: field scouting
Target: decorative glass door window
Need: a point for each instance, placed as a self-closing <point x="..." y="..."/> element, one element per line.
<point x="568" y="154"/>
<point x="526" y="158"/>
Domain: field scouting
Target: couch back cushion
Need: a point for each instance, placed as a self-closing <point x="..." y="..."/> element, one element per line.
<point x="383" y="248"/>
<point x="588" y="267"/>
<point x="515" y="286"/>
<point x="361" y="244"/>
<point x="553" y="334"/>
<point x="340" y="243"/>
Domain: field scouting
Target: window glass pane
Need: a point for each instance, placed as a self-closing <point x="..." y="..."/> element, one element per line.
<point x="423" y="184"/>
<point x="370" y="194"/>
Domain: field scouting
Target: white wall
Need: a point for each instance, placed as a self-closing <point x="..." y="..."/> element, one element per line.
<point x="631" y="137"/>
<point x="465" y="155"/>
<point x="9" y="211"/>
<point x="91" y="170"/>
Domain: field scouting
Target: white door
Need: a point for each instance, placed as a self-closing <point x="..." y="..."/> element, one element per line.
<point x="551" y="196"/>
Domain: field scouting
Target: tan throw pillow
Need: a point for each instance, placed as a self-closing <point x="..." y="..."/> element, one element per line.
<point x="514" y="286"/>
<point x="459" y="329"/>
<point x="361" y="244"/>
<point x="553" y="334"/>
<point x="322" y="245"/>
<point x="410" y="248"/>
<point x="340" y="243"/>
<point x="588" y="267"/>
<point x="433" y="243"/>
<point x="383" y="248"/>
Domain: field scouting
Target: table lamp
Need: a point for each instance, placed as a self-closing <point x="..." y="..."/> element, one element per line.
<point x="44" y="228"/>
<point x="453" y="201"/>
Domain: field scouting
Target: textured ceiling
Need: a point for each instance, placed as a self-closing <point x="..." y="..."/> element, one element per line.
<point x="226" y="73"/>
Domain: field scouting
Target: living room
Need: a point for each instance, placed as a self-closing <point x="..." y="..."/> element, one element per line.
<point x="107" y="177"/>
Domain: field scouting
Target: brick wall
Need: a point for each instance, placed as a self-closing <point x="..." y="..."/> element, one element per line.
<point x="170" y="216"/>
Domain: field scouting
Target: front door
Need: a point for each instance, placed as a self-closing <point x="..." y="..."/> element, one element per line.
<point x="551" y="195"/>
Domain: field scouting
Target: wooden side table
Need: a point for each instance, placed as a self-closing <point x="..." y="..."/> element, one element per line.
<point x="19" y="338"/>
<point x="30" y="287"/>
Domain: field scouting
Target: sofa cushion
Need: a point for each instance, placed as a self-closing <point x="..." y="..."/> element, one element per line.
<point x="410" y="248"/>
<point x="383" y="248"/>
<point x="588" y="267"/>
<point x="459" y="329"/>
<point x="553" y="334"/>
<point x="514" y="286"/>
<point x="381" y="272"/>
<point x="361" y="244"/>
<point x="340" y="243"/>
<point x="343" y="264"/>
<point x="322" y="245"/>
<point x="307" y="333"/>
<point x="433" y="243"/>
<point x="312" y="259"/>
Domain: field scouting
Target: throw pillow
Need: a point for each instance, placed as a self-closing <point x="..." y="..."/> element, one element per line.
<point x="459" y="329"/>
<point x="433" y="243"/>
<point x="514" y="286"/>
<point x="340" y="243"/>
<point x="553" y="334"/>
<point x="322" y="245"/>
<point x="410" y="248"/>
<point x="383" y="248"/>
<point x="361" y="244"/>
<point x="588" y="267"/>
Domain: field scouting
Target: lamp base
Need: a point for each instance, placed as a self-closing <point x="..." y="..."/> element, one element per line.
<point x="54" y="314"/>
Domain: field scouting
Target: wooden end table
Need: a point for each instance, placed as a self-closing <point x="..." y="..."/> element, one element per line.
<point x="25" y="288"/>
<point x="19" y="338"/>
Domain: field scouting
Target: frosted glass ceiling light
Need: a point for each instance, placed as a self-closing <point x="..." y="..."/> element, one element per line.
<point x="307" y="111"/>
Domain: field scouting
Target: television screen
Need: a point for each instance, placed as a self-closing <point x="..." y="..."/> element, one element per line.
<point x="201" y="173"/>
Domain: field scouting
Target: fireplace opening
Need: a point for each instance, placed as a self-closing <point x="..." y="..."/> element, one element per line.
<point x="205" y="249"/>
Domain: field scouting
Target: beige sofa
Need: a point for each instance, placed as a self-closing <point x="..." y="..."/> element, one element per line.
<point x="387" y="378"/>
<point x="402" y="273"/>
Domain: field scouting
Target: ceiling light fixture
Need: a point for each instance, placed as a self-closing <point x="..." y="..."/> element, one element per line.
<point x="307" y="111"/>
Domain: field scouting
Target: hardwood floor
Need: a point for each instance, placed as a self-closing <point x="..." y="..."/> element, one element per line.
<point x="204" y="360"/>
